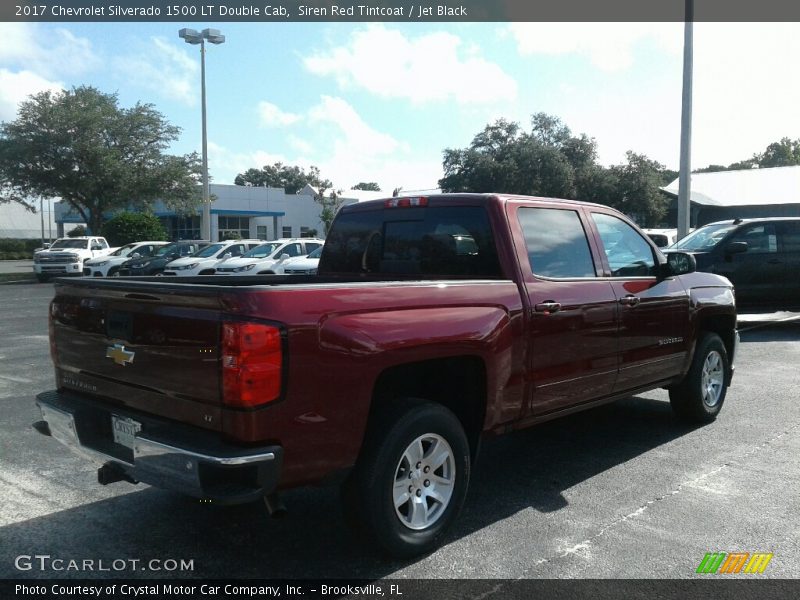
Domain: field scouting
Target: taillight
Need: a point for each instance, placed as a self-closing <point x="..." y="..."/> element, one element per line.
<point x="252" y="361"/>
<point x="406" y="202"/>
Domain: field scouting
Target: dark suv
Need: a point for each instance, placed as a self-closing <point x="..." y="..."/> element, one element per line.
<point x="761" y="257"/>
<point x="154" y="265"/>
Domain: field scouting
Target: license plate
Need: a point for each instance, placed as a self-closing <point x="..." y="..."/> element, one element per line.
<point x="125" y="430"/>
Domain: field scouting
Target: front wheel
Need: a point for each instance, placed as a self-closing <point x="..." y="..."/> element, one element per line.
<point x="42" y="278"/>
<point x="699" y="397"/>
<point x="411" y="479"/>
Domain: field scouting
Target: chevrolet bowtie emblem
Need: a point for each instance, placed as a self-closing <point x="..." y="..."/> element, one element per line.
<point x="119" y="354"/>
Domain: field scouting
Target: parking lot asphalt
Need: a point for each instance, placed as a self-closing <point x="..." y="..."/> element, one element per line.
<point x="621" y="491"/>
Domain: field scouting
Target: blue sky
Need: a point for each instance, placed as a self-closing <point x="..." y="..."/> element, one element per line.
<point x="379" y="102"/>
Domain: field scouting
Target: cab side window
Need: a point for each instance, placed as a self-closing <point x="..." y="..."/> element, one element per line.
<point x="790" y="236"/>
<point x="628" y="254"/>
<point x="760" y="239"/>
<point x="556" y="242"/>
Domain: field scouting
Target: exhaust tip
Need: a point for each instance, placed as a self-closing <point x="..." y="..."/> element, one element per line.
<point x="42" y="427"/>
<point x="275" y="506"/>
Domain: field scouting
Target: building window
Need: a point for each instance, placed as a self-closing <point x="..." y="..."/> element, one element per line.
<point x="231" y="228"/>
<point x="182" y="228"/>
<point x="304" y="232"/>
<point x="287" y="231"/>
<point x="261" y="232"/>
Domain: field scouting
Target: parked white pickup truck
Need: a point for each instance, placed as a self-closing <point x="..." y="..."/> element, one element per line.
<point x="66" y="255"/>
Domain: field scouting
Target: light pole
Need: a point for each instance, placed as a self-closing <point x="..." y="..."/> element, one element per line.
<point x="685" y="175"/>
<point x="192" y="36"/>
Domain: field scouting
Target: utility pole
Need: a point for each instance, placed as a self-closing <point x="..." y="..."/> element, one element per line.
<point x="685" y="176"/>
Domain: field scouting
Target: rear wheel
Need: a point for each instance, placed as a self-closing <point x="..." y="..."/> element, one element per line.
<point x="42" y="278"/>
<point x="699" y="397"/>
<point x="411" y="479"/>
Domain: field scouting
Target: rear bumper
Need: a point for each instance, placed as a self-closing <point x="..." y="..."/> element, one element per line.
<point x="164" y="454"/>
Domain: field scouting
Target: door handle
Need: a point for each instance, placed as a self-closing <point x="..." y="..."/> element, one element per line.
<point x="548" y="307"/>
<point x="630" y="300"/>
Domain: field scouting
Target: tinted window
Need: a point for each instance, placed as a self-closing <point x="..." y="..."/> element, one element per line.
<point x="761" y="238"/>
<point x="556" y="242"/>
<point x="209" y="251"/>
<point x="311" y="246"/>
<point x="704" y="238"/>
<point x="629" y="255"/>
<point x="435" y="242"/>
<point x="790" y="236"/>
<point x="294" y="249"/>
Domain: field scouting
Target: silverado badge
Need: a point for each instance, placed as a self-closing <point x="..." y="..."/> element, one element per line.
<point x="119" y="354"/>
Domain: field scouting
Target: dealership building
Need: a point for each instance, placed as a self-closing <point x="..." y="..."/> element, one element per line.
<point x="248" y="212"/>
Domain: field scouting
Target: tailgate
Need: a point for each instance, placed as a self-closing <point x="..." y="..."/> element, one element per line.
<point x="145" y="347"/>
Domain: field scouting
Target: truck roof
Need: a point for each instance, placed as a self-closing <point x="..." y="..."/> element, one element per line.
<point x="459" y="197"/>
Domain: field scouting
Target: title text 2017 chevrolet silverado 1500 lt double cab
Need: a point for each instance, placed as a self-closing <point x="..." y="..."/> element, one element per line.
<point x="432" y="322"/>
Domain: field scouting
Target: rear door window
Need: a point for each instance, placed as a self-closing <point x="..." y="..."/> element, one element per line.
<point x="557" y="243"/>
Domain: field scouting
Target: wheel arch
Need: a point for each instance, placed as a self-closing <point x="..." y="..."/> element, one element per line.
<point x="458" y="383"/>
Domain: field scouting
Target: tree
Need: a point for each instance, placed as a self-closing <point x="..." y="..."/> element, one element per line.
<point x="81" y="146"/>
<point x="546" y="161"/>
<point x="369" y="187"/>
<point x="77" y="231"/>
<point x="330" y="206"/>
<point x="291" y="178"/>
<point x="130" y="227"/>
<point x="784" y="153"/>
<point x="638" y="192"/>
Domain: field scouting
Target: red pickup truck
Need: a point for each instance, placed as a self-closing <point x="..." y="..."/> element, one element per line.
<point x="432" y="322"/>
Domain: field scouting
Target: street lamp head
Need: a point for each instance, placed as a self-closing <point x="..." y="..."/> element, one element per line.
<point x="213" y="36"/>
<point x="190" y="36"/>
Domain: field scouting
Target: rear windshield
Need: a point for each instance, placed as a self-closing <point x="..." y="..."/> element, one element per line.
<point x="431" y="242"/>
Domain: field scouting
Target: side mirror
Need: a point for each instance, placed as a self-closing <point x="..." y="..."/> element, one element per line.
<point x="46" y="245"/>
<point x="284" y="256"/>
<point x="736" y="248"/>
<point x="226" y="255"/>
<point x="136" y="255"/>
<point x="679" y="263"/>
<point x="96" y="247"/>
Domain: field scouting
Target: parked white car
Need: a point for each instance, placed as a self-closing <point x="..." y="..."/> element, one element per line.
<point x="107" y="266"/>
<point x="300" y="265"/>
<point x="662" y="237"/>
<point x="267" y="258"/>
<point x="66" y="256"/>
<point x="204" y="261"/>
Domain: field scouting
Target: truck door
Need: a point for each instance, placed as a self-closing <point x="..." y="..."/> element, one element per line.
<point x="653" y="313"/>
<point x="572" y="327"/>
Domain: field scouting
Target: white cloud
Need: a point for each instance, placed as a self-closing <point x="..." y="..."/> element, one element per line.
<point x="345" y="148"/>
<point x="16" y="87"/>
<point x="746" y="91"/>
<point x="162" y="67"/>
<point x="224" y="164"/>
<point x="432" y="67"/>
<point x="272" y="116"/>
<point x="47" y="52"/>
<point x="608" y="46"/>
<point x="35" y="58"/>
<point x="355" y="151"/>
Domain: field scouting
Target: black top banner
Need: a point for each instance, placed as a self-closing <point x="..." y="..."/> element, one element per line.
<point x="399" y="10"/>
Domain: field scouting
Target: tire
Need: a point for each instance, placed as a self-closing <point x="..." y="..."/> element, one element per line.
<point x="411" y="479"/>
<point x="206" y="272"/>
<point x="112" y="272"/>
<point x="701" y="394"/>
<point x="42" y="278"/>
<point x="266" y="273"/>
